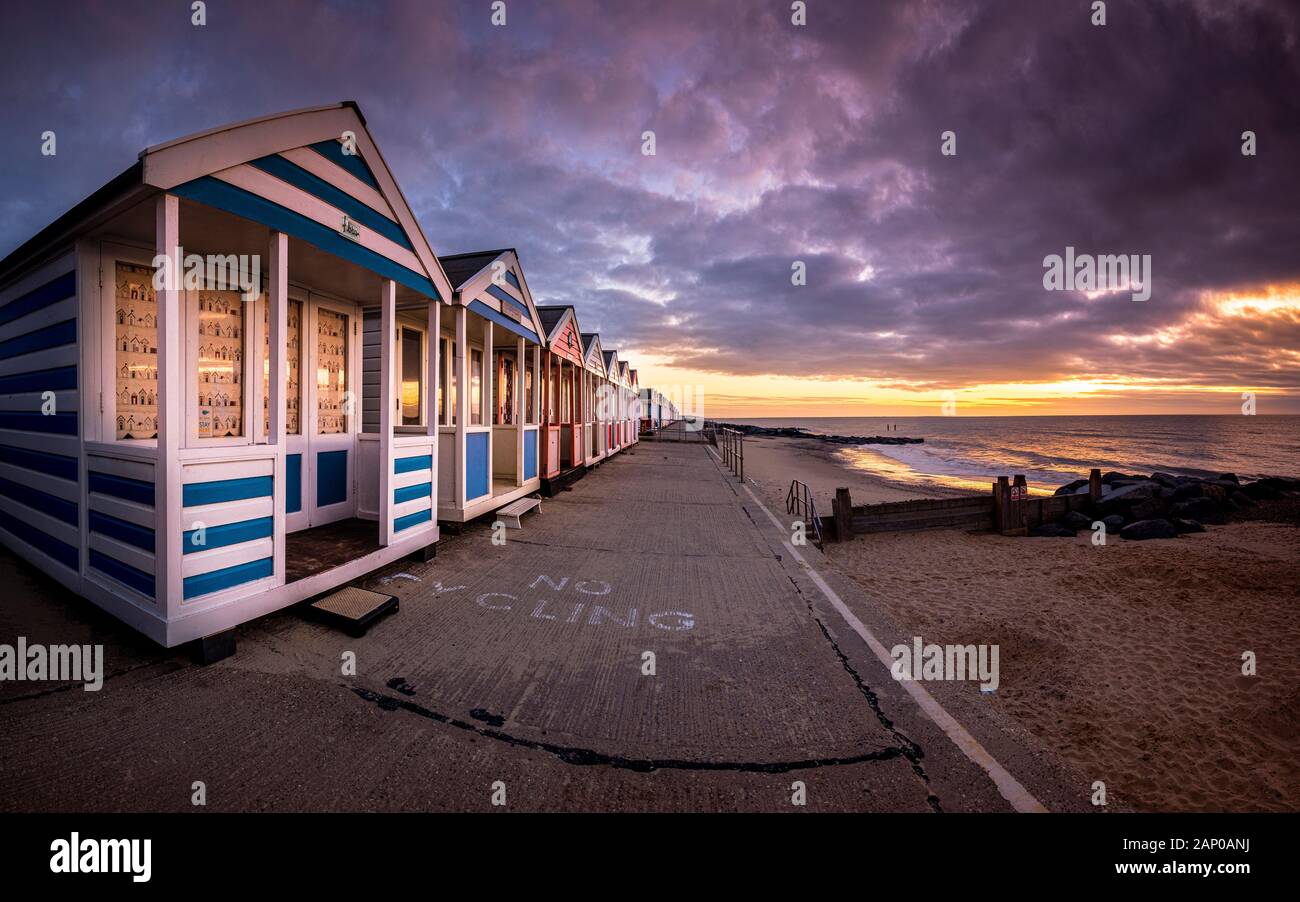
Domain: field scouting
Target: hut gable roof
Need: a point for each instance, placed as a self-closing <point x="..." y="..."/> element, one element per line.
<point x="493" y="282"/>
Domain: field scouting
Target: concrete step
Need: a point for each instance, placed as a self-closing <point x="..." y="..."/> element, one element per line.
<point x="512" y="514"/>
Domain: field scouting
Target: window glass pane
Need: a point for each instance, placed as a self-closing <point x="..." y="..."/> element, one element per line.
<point x="453" y="382"/>
<point x="220" y="327"/>
<point x="476" y="387"/>
<point x="505" y="389"/>
<point x="528" y="396"/>
<point x="293" y="395"/>
<point x="566" y="397"/>
<point x="443" y="419"/>
<point x="331" y="372"/>
<point x="412" y="376"/>
<point x="137" y="352"/>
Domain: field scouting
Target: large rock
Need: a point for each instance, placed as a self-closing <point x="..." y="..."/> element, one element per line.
<point x="1149" y="529"/>
<point x="1071" y="487"/>
<point x="1187" y="490"/>
<point x="1216" y="493"/>
<point x="1146" y="510"/>
<point x="1075" y="520"/>
<point x="1113" y="522"/>
<point x="1203" y="510"/>
<point x="1051" y="530"/>
<point x="1229" y="477"/>
<point x="1185" y="526"/>
<point x="1133" y="491"/>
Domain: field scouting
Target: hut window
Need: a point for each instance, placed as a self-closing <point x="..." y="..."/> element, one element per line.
<point x="447" y="384"/>
<point x="137" y="349"/>
<point x="411" y="351"/>
<point x="220" y="325"/>
<point x="293" y="357"/>
<point x="566" y="394"/>
<point x="504" y="406"/>
<point x="529" y="415"/>
<point x="475" y="387"/>
<point x="331" y="372"/>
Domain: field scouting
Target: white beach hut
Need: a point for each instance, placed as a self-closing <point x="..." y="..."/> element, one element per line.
<point x="189" y="456"/>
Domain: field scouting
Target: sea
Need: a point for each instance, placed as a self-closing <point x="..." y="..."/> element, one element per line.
<point x="971" y="452"/>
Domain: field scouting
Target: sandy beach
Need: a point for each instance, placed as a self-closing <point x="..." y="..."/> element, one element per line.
<point x="1124" y="659"/>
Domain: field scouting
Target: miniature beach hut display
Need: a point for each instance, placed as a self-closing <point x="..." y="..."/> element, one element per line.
<point x="563" y="460"/>
<point x="594" y="381"/>
<point x="191" y="441"/>
<point x="492" y="342"/>
<point x="611" y="405"/>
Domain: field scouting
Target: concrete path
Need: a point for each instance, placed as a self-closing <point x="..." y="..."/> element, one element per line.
<point x="522" y="664"/>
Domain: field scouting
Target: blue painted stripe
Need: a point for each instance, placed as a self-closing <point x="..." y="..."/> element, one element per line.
<point x="331" y="477"/>
<point x="333" y="151"/>
<point x="411" y="492"/>
<point x="412" y="520"/>
<point x="57" y="379"/>
<point x="58" y="465"/>
<point x="224" y="196"/>
<point x="222" y="490"/>
<point x="411" y="464"/>
<point x="216" y="580"/>
<point x="44" y="502"/>
<point x="501" y="319"/>
<point x="510" y="277"/>
<point x="293" y="483"/>
<point x="124" y="573"/>
<point x="61" y="551"/>
<point x="136" y="490"/>
<point x="506" y="297"/>
<point x="293" y="174"/>
<point x="57" y="335"/>
<point x="123" y="531"/>
<point x="477" y="483"/>
<point x="53" y="291"/>
<point x="228" y="534"/>
<point x="54" y="424"/>
<point x="530" y="453"/>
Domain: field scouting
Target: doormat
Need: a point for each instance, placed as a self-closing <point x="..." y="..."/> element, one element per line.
<point x="352" y="609"/>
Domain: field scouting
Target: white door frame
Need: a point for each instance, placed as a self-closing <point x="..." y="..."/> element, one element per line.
<point x="317" y="443"/>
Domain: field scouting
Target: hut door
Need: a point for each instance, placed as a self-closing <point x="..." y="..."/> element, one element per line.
<point x="331" y="429"/>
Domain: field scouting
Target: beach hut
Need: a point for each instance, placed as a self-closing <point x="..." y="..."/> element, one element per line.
<point x="624" y="404"/>
<point x="650" y="410"/>
<point x="186" y="436"/>
<point x="563" y="458"/>
<point x="611" y="403"/>
<point x="594" y="380"/>
<point x="491" y="341"/>
<point x="635" y="408"/>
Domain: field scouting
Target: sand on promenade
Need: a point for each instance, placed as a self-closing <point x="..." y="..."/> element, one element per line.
<point x="1125" y="659"/>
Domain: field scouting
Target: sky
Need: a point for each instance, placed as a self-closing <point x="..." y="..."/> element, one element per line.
<point x="775" y="145"/>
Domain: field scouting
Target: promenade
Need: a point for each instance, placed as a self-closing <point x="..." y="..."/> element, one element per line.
<point x="524" y="665"/>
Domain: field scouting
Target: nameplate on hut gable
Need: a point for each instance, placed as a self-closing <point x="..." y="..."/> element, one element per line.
<point x="349" y="229"/>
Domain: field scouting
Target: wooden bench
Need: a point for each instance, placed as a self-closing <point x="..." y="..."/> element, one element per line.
<point x="515" y="510"/>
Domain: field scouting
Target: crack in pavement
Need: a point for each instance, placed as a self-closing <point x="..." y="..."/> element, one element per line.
<point x="65" y="687"/>
<point x="590" y="757"/>
<point x="909" y="748"/>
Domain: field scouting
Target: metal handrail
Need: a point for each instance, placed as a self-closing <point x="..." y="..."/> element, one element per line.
<point x="732" y="444"/>
<point x="799" y="500"/>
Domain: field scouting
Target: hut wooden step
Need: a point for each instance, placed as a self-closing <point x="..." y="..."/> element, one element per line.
<point x="512" y="514"/>
<point x="353" y="609"/>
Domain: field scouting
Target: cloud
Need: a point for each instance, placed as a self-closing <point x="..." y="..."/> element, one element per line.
<point x="774" y="144"/>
